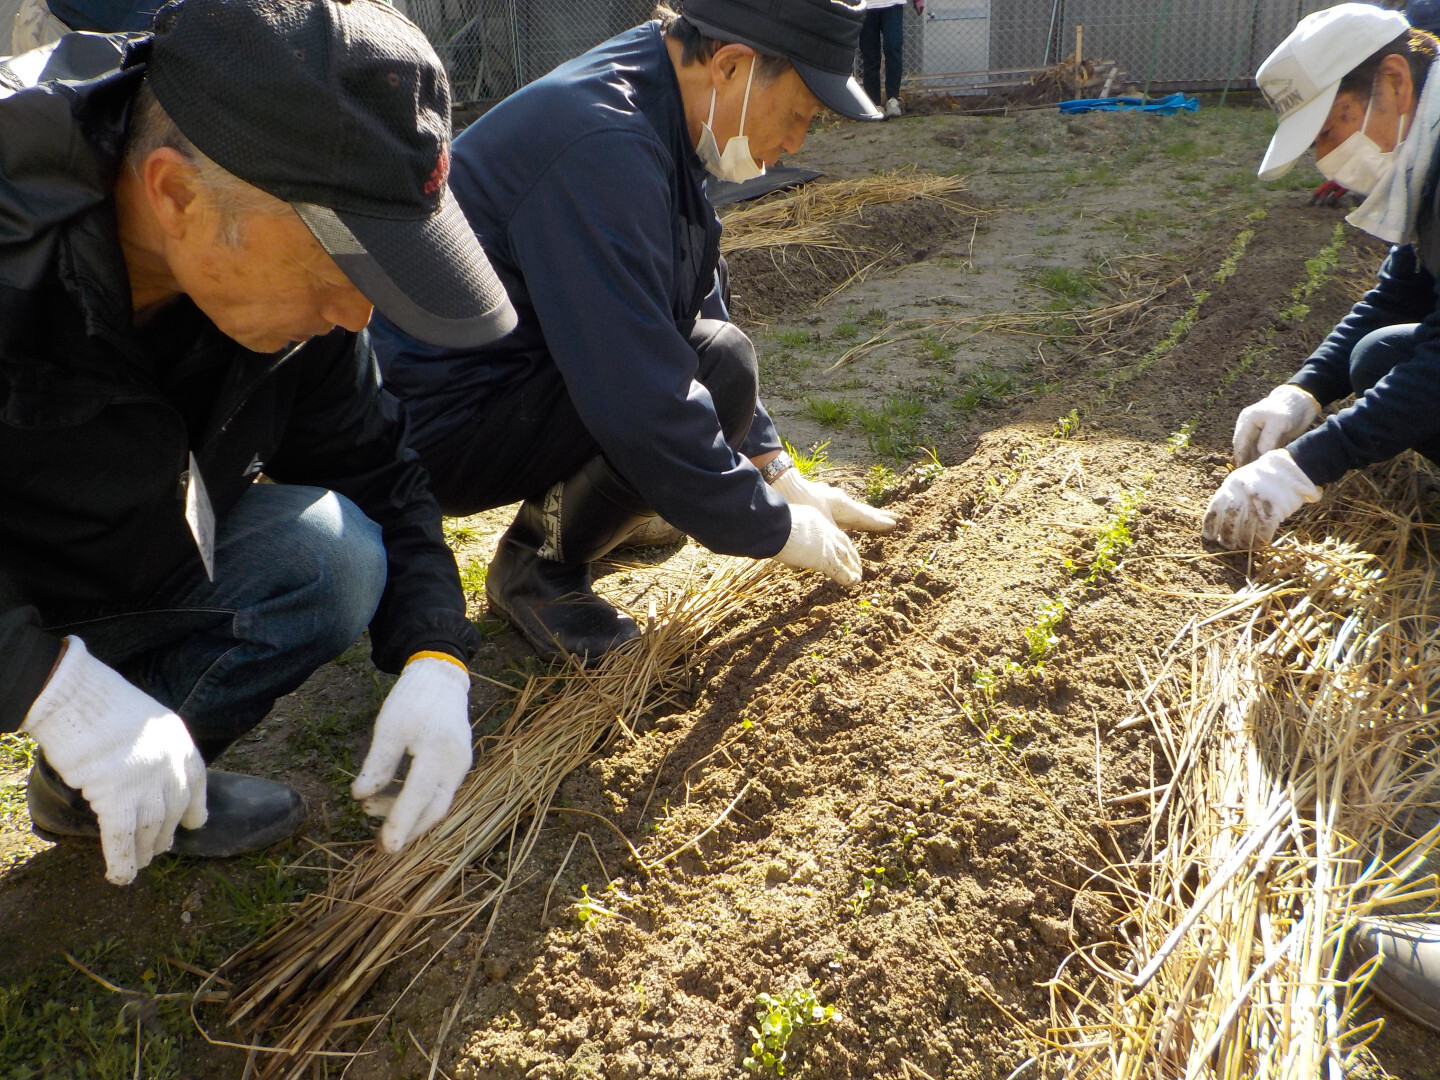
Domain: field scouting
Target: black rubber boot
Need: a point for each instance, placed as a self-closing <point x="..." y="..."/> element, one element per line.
<point x="540" y="577"/>
<point x="247" y="813"/>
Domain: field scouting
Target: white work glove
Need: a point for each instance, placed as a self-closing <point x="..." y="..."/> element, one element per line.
<point x="427" y="715"/>
<point x="839" y="509"/>
<point x="816" y="544"/>
<point x="130" y="756"/>
<point x="1255" y="499"/>
<point x="1284" y="415"/>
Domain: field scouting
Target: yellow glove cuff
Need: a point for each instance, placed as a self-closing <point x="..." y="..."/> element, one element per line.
<point x="431" y="654"/>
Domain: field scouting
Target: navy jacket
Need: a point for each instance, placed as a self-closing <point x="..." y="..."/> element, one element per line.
<point x="97" y="420"/>
<point x="1402" y="410"/>
<point x="588" y="197"/>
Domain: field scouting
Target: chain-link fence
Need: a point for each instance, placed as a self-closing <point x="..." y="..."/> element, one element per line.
<point x="493" y="47"/>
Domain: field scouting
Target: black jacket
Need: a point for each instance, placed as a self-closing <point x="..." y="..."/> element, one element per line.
<point x="97" y="420"/>
<point x="587" y="196"/>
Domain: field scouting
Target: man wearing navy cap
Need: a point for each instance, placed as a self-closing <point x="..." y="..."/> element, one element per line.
<point x="624" y="391"/>
<point x="194" y="225"/>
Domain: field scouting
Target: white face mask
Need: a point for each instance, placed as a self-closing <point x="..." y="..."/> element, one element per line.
<point x="735" y="164"/>
<point x="1358" y="163"/>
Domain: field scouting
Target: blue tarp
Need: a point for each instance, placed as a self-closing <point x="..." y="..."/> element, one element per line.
<point x="1164" y="106"/>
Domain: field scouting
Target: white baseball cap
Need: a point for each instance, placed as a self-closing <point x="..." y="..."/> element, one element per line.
<point x="1301" y="76"/>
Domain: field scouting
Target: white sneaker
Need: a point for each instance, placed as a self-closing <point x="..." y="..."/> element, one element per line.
<point x="892" y="108"/>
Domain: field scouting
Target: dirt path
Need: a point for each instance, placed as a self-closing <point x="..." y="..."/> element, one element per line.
<point x="905" y="780"/>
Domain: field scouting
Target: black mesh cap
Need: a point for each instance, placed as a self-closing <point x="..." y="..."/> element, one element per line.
<point x="818" y="37"/>
<point x="341" y="108"/>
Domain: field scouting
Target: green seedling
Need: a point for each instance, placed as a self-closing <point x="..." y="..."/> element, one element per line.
<point x="779" y="1018"/>
<point x="929" y="469"/>
<point x="1317" y="271"/>
<point x="1237" y="248"/>
<point x="986" y="680"/>
<point x="1180" y="440"/>
<point x="1114" y="537"/>
<point x="847" y="330"/>
<point x="868" y="884"/>
<point x="1041" y="636"/>
<point x="810" y="462"/>
<point x="879" y="482"/>
<point x="828" y="412"/>
<point x="1067" y="425"/>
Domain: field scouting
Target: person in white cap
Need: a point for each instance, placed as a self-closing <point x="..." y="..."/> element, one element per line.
<point x="1351" y="81"/>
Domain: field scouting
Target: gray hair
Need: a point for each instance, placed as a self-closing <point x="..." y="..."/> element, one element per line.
<point x="695" y="47"/>
<point x="151" y="129"/>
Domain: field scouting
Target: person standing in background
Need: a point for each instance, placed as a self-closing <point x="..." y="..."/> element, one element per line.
<point x="883" y="33"/>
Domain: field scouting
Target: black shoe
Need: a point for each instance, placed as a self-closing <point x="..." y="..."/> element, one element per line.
<point x="247" y="813"/>
<point x="540" y="577"/>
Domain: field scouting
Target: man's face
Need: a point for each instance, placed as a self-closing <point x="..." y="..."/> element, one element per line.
<point x="277" y="287"/>
<point x="778" y="117"/>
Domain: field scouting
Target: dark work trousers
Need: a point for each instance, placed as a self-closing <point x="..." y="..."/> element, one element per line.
<point x="526" y="438"/>
<point x="883" y="29"/>
<point x="299" y="572"/>
<point x="1376" y="354"/>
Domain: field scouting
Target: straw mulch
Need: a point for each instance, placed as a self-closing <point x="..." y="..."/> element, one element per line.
<point x="304" y="980"/>
<point x="1297" y="734"/>
<point x="811" y="244"/>
<point x="809" y="217"/>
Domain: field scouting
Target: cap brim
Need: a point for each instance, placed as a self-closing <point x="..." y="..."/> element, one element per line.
<point x="1295" y="134"/>
<point x="839" y="92"/>
<point x="429" y="277"/>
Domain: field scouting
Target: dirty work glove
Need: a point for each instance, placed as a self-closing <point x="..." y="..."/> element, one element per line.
<point x="1273" y="421"/>
<point x="1255" y="499"/>
<point x="130" y="756"/>
<point x="816" y="544"/>
<point x="839" y="509"/>
<point x="427" y="715"/>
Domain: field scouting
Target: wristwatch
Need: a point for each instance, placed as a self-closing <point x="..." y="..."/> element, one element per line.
<point x="772" y="469"/>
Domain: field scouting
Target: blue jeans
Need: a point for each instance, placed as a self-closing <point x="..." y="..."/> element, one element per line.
<point x="883" y="28"/>
<point x="1376" y="355"/>
<point x="298" y="575"/>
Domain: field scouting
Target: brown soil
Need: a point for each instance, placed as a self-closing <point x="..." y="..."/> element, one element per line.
<point x="900" y="733"/>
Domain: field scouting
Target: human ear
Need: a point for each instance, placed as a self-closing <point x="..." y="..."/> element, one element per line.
<point x="1394" y="72"/>
<point x="168" y="179"/>
<point x="725" y="62"/>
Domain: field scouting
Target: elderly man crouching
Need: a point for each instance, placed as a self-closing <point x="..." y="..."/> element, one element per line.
<point x="195" y="226"/>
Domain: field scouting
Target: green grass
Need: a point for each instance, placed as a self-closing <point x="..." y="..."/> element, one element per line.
<point x="879" y="482"/>
<point x="893" y="429"/>
<point x="60" y="1024"/>
<point x="847" y="330"/>
<point x="809" y="462"/>
<point x="1068" y="285"/>
<point x="935" y="350"/>
<point x="794" y="339"/>
<point x="984" y="386"/>
<point x="472" y="579"/>
<point x="828" y="412"/>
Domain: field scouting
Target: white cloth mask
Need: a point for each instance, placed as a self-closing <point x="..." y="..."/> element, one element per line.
<point x="735" y="164"/>
<point x="1358" y="163"/>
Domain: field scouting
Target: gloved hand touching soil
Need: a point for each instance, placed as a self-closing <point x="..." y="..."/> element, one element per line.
<point x="1287" y="412"/>
<point x="816" y="544"/>
<point x="130" y="756"/>
<point x="427" y="715"/>
<point x="839" y="509"/>
<point x="1255" y="499"/>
